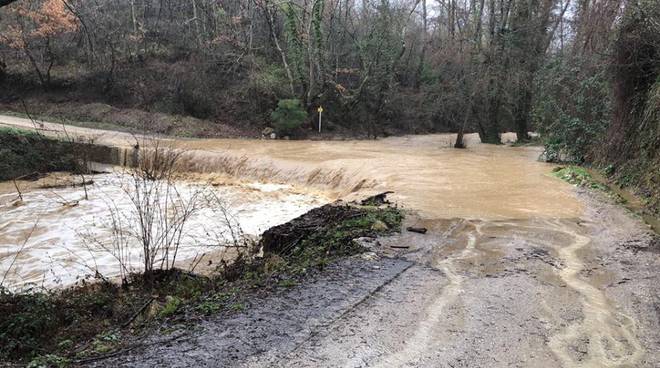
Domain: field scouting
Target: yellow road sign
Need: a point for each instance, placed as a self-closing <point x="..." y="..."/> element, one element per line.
<point x="320" y="109"/>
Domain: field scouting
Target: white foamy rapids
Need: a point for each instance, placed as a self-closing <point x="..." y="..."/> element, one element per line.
<point x="46" y="243"/>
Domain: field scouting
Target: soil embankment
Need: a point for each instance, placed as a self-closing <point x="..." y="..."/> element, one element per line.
<point x="517" y="269"/>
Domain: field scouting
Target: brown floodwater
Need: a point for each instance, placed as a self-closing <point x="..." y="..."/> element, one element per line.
<point x="425" y="174"/>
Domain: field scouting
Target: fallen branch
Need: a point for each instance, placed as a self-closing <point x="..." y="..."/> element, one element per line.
<point x="419" y="230"/>
<point x="139" y="311"/>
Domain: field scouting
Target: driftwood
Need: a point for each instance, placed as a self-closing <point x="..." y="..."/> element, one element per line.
<point x="419" y="230"/>
<point x="283" y="238"/>
<point x="376" y="200"/>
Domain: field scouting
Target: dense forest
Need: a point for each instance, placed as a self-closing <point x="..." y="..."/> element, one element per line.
<point x="583" y="73"/>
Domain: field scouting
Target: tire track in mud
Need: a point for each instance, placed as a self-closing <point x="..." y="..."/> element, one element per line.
<point x="417" y="345"/>
<point x="325" y="326"/>
<point x="610" y="333"/>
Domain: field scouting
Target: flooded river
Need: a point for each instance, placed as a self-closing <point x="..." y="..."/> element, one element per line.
<point x="483" y="181"/>
<point x="54" y="237"/>
<point x="511" y="252"/>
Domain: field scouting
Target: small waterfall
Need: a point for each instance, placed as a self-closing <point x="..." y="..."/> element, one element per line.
<point x="341" y="180"/>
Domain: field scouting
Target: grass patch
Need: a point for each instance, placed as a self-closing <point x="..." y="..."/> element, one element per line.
<point x="323" y="234"/>
<point x="580" y="177"/>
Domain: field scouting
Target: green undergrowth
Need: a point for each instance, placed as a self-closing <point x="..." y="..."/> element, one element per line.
<point x="580" y="177"/>
<point x="334" y="240"/>
<point x="640" y="178"/>
<point x="54" y="328"/>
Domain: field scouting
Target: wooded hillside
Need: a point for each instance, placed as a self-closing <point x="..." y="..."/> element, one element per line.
<point x="377" y="66"/>
<point x="578" y="71"/>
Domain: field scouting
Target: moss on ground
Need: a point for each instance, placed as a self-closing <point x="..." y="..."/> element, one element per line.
<point x="582" y="177"/>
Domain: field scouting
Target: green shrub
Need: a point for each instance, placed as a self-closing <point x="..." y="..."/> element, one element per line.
<point x="288" y="116"/>
<point x="26" y="320"/>
<point x="171" y="306"/>
<point x="580" y="177"/>
<point x="572" y="109"/>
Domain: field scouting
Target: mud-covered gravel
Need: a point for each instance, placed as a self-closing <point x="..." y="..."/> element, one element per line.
<point x="274" y="325"/>
<point x="467" y="294"/>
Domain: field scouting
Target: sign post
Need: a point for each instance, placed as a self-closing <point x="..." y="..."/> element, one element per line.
<point x="320" y="110"/>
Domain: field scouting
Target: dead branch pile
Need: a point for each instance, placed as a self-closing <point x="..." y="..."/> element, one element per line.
<point x="280" y="239"/>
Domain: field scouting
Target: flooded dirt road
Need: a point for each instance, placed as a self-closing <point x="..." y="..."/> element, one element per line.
<point x="518" y="269"/>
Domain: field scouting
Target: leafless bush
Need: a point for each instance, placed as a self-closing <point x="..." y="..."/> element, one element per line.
<point x="158" y="215"/>
<point x="155" y="214"/>
<point x="157" y="162"/>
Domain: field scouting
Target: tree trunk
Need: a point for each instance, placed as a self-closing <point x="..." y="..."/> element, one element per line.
<point x="276" y="42"/>
<point x="491" y="133"/>
<point x="422" y="56"/>
<point x="521" y="117"/>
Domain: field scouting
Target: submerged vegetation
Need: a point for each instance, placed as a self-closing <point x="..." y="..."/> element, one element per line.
<point x="56" y="327"/>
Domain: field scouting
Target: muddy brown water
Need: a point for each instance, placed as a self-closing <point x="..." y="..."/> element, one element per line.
<point x="482" y="181"/>
<point x="479" y="204"/>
